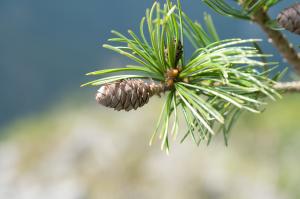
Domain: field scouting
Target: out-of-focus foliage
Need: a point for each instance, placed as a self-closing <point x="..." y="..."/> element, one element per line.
<point x="246" y="10"/>
<point x="73" y="152"/>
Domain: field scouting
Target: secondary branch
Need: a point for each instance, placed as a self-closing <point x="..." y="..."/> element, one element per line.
<point x="280" y="42"/>
<point x="288" y="86"/>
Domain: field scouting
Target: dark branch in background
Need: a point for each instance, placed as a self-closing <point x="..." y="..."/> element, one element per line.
<point x="280" y="42"/>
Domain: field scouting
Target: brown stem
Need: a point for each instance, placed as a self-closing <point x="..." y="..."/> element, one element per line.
<point x="278" y="39"/>
<point x="157" y="88"/>
<point x="288" y="86"/>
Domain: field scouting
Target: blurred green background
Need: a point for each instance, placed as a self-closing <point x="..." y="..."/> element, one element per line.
<point x="56" y="142"/>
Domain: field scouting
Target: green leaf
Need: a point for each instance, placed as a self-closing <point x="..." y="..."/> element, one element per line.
<point x="195" y="112"/>
<point x="106" y="80"/>
<point x="114" y="70"/>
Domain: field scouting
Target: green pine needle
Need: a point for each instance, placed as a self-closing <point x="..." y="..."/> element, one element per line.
<point x="247" y="7"/>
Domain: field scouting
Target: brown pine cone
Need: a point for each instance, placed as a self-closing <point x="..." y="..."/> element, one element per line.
<point x="127" y="94"/>
<point x="289" y="18"/>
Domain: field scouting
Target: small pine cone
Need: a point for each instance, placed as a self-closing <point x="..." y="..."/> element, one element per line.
<point x="289" y="18"/>
<point x="127" y="94"/>
<point x="179" y="52"/>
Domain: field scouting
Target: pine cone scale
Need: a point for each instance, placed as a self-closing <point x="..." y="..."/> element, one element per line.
<point x="289" y="18"/>
<point x="128" y="105"/>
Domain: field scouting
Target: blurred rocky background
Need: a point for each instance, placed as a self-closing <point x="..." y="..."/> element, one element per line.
<point x="55" y="142"/>
<point x="75" y="151"/>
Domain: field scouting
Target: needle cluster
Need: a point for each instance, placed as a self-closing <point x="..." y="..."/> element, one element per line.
<point x="208" y="89"/>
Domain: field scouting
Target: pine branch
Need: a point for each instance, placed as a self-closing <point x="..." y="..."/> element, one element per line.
<point x="288" y="86"/>
<point x="278" y="39"/>
<point x="220" y="79"/>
